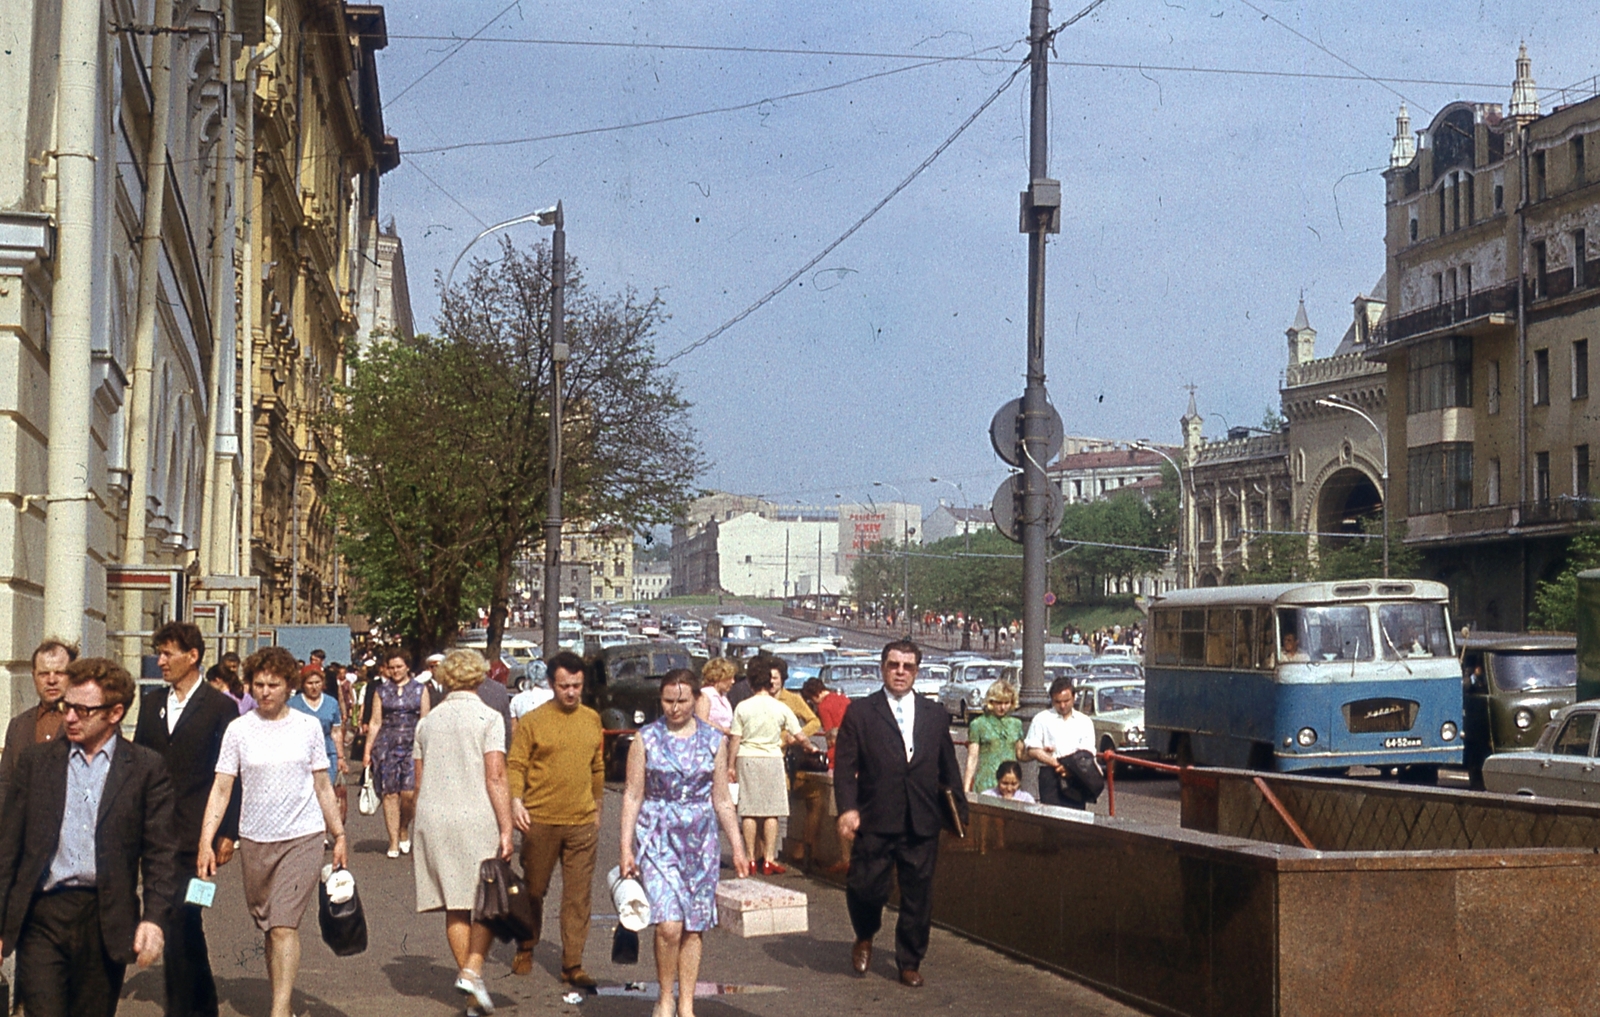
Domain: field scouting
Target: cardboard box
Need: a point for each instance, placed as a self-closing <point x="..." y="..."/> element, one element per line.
<point x="750" y="907"/>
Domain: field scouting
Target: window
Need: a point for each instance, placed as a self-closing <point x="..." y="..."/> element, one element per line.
<point x="1472" y="207"/>
<point x="1438" y="287"/>
<point x="1230" y="522"/>
<point x="1208" y="525"/>
<point x="1325" y="633"/>
<point x="1283" y="514"/>
<point x="1541" y="377"/>
<point x="1499" y="197"/>
<point x="1580" y="250"/>
<point x="1450" y="284"/>
<point x="1580" y="369"/>
<point x="621" y="569"/>
<point x="1575" y="736"/>
<point x="1258" y="516"/>
<point x="1439" y="478"/>
<point x="1576" y="146"/>
<point x="1443" y="224"/>
<point x="1538" y="176"/>
<point x="1413" y="229"/>
<point x="1414" y="630"/>
<point x="1077" y="490"/>
<point x="1439" y="375"/>
<point x="1494" y="482"/>
<point x="1455" y="201"/>
<point x="1580" y="470"/>
<point x="1540" y="259"/>
<point x="1491" y="398"/>
<point x="1541" y="476"/>
<point x="1219" y="637"/>
<point x="1466" y="280"/>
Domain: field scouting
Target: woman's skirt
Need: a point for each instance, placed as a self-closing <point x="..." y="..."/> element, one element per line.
<point x="280" y="877"/>
<point x="763" y="787"/>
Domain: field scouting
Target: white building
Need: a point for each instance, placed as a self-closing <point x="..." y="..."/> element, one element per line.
<point x="771" y="557"/>
<point x="1101" y="473"/>
<point x="651" y="580"/>
<point x="955" y="521"/>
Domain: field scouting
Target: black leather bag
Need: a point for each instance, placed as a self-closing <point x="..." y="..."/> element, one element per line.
<point x="803" y="759"/>
<point x="344" y="926"/>
<point x="1084" y="775"/>
<point x="624" y="946"/>
<point x="503" y="903"/>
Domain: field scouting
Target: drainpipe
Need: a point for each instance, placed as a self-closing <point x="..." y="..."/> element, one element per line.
<point x="249" y="206"/>
<point x="221" y="295"/>
<point x="142" y="375"/>
<point x="71" y="349"/>
<point x="1522" y="325"/>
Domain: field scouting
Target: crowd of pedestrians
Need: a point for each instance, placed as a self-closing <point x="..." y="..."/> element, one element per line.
<point x="107" y="844"/>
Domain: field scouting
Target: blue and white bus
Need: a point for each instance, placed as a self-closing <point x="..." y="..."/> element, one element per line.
<point x="1301" y="676"/>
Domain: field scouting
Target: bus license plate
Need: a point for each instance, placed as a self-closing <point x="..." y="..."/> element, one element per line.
<point x="1408" y="742"/>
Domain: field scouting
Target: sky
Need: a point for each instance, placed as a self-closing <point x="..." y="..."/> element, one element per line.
<point x="1197" y="207"/>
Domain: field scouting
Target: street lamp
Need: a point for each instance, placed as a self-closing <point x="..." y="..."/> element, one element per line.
<point x="1183" y="515"/>
<point x="966" y="523"/>
<point x="905" y="548"/>
<point x="559" y="354"/>
<point x="1383" y="438"/>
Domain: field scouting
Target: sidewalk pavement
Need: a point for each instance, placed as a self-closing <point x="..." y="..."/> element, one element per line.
<point x="407" y="970"/>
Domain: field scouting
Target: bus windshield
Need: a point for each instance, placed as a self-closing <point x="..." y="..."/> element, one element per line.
<point x="1318" y="634"/>
<point x="1414" y="630"/>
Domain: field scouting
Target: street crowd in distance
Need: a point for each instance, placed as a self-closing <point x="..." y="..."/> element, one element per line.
<point x="108" y="846"/>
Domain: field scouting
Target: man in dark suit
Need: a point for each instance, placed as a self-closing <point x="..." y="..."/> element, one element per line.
<point x="184" y="722"/>
<point x="894" y="761"/>
<point x="91" y="813"/>
<point x="42" y="721"/>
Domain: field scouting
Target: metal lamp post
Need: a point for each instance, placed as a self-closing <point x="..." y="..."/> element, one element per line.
<point x="905" y="550"/>
<point x="1183" y="513"/>
<point x="558" y="362"/>
<point x="1383" y="440"/>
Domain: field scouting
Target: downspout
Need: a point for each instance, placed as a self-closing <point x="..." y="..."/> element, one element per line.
<point x="220" y="294"/>
<point x="250" y="288"/>
<point x="142" y="374"/>
<point x="1522" y="325"/>
<point x="71" y="348"/>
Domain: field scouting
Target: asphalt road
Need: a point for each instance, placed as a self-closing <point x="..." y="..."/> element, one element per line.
<point x="407" y="970"/>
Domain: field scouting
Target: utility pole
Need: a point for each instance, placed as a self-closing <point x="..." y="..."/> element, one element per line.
<point x="1041" y="216"/>
<point x="558" y="361"/>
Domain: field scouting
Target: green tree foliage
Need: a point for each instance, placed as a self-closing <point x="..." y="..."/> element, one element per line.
<point x="1555" y="602"/>
<point x="447" y="442"/>
<point x="1124" y="519"/>
<point x="1289" y="557"/>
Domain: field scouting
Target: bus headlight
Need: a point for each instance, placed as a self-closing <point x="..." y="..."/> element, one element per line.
<point x="1523" y="718"/>
<point x="1307" y="737"/>
<point x="1447" y="731"/>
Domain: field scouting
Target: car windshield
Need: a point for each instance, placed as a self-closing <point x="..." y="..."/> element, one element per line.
<point x="806" y="658"/>
<point x="1522" y="670"/>
<point x="1121" y="697"/>
<point x="661" y="663"/>
<point x="983" y="674"/>
<point x="1414" y="630"/>
<point x="1320" y="634"/>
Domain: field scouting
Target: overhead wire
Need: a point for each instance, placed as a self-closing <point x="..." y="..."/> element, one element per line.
<point x="847" y="234"/>
<point x="1267" y="16"/>
<point x="441" y="61"/>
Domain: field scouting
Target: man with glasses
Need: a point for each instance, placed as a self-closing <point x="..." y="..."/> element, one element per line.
<point x="894" y="764"/>
<point x="41" y="722"/>
<point x="92" y="813"/>
<point x="184" y="723"/>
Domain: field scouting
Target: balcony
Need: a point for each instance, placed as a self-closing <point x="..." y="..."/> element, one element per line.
<point x="1501" y="300"/>
<point x="1562" y="513"/>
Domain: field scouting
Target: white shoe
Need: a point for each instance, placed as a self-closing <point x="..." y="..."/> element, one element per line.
<point x="405" y="847"/>
<point x="472" y="985"/>
<point x="392" y="853"/>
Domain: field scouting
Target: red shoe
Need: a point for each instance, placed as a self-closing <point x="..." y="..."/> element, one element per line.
<point x="774" y="869"/>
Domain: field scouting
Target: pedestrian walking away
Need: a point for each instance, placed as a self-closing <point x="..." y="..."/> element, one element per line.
<point x="894" y="766"/>
<point x="279" y="759"/>
<point x="557" y="774"/>
<point x="676" y="797"/>
<point x="184" y="721"/>
<point x="762" y="728"/>
<point x="463" y="811"/>
<point x="91" y="816"/>
<point x="400" y="701"/>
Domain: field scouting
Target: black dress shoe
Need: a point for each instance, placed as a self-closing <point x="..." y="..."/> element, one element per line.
<point x="911" y="978"/>
<point x="861" y="956"/>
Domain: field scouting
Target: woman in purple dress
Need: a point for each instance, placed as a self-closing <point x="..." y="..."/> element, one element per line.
<point x="391" y="736"/>
<point x="676" y="797"/>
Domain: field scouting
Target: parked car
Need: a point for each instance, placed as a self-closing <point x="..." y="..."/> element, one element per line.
<point x="859" y="687"/>
<point x="1560" y="765"/>
<point x="624" y="685"/>
<point x="804" y="658"/>
<point x="835" y="673"/>
<point x="969" y="682"/>
<point x="1117" y="708"/>
<point x="830" y="633"/>
<point x="1511" y="686"/>
<point x="930" y="679"/>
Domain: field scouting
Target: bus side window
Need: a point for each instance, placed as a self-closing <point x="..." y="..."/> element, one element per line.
<point x="1244" y="644"/>
<point x="1166" y="625"/>
<point x="1219" y="637"/>
<point x="1265" y="637"/>
<point x="1192" y="637"/>
<point x="1291" y="637"/>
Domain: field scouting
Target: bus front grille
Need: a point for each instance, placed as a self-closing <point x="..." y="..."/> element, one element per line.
<point x="1365" y="716"/>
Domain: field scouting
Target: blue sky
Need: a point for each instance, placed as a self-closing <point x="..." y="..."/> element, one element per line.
<point x="1197" y="205"/>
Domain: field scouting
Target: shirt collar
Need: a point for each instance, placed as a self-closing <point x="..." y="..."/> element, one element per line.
<point x="107" y="750"/>
<point x="887" y="691"/>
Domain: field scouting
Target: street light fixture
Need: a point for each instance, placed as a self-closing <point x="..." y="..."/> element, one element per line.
<point x="905" y="549"/>
<point x="966" y="523"/>
<point x="1183" y="514"/>
<point x="559" y="354"/>
<point x="1383" y="438"/>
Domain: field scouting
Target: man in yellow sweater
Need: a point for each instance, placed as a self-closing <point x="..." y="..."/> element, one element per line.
<point x="557" y="771"/>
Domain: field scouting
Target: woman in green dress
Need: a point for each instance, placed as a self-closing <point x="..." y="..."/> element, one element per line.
<point x="993" y="738"/>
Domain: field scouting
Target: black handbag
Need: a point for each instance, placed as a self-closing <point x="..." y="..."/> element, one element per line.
<point x="1084" y="775"/>
<point x="799" y="758"/>
<point x="503" y="903"/>
<point x="344" y="926"/>
<point x="624" y="946"/>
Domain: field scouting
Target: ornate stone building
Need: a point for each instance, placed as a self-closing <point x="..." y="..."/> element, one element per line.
<point x="1492" y="218"/>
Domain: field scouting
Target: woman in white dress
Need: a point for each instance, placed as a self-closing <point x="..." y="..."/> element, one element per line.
<point x="463" y="811"/>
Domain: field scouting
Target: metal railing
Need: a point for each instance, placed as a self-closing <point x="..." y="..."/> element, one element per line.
<point x="1111" y="758"/>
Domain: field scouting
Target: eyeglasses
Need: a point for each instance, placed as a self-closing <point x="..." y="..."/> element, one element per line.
<point x="84" y="710"/>
<point x="895" y="665"/>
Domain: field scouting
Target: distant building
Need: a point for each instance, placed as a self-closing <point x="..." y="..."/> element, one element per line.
<point x="1092" y="474"/>
<point x="955" y="521"/>
<point x="651" y="580"/>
